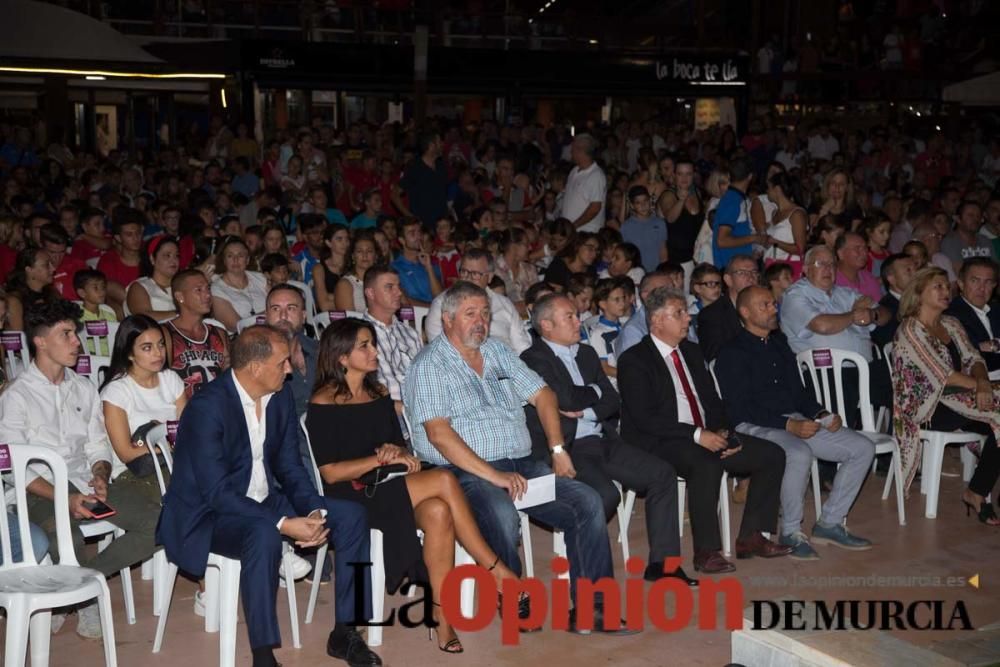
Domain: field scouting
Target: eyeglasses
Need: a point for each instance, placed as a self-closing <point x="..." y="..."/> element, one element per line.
<point x="749" y="273"/>
<point x="824" y="265"/>
<point x="710" y="283"/>
<point x="474" y="274"/>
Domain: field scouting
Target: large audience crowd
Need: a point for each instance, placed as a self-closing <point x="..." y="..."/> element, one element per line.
<point x="482" y="305"/>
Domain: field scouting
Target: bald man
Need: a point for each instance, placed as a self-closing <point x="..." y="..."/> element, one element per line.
<point x="764" y="397"/>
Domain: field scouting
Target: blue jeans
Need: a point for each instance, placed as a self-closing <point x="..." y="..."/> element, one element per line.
<point x="39" y="541"/>
<point x="577" y="511"/>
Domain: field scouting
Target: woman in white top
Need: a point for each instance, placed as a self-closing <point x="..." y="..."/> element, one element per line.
<point x="763" y="208"/>
<point x="789" y="234"/>
<point x="137" y="390"/>
<point x="237" y="293"/>
<point x="350" y="292"/>
<point x="151" y="295"/>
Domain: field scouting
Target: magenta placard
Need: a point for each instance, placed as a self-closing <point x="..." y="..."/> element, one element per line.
<point x="338" y="315"/>
<point x="82" y="364"/>
<point x="11" y="341"/>
<point x="822" y="358"/>
<point x="406" y="314"/>
<point x="261" y="319"/>
<point x="96" y="327"/>
<point x="5" y="463"/>
<point x="172" y="431"/>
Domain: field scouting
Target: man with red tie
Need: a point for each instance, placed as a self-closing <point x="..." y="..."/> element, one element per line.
<point x="670" y="407"/>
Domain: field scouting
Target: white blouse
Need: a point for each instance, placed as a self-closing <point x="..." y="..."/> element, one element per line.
<point x="251" y="300"/>
<point x="159" y="298"/>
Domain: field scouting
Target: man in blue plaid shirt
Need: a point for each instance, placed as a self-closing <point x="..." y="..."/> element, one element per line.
<point x="467" y="392"/>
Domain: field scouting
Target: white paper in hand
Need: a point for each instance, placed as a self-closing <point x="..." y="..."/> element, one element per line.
<point x="541" y="490"/>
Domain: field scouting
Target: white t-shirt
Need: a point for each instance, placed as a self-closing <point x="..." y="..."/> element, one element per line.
<point x="251" y="300"/>
<point x="583" y="187"/>
<point x="823" y="149"/>
<point x="144" y="405"/>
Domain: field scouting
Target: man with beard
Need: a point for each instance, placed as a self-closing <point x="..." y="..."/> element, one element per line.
<point x="463" y="396"/>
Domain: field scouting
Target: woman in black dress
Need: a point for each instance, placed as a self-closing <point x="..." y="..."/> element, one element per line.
<point x="353" y="428"/>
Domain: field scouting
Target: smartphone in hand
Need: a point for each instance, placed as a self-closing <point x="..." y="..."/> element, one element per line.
<point x="100" y="510"/>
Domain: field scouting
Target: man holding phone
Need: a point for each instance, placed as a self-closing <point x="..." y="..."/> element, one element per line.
<point x="50" y="405"/>
<point x="765" y="397"/>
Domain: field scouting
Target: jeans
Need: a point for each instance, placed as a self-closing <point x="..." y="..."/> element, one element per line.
<point x="39" y="541"/>
<point x="577" y="511"/>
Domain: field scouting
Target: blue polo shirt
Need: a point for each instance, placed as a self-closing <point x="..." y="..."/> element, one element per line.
<point x="649" y="235"/>
<point x="733" y="212"/>
<point x="413" y="278"/>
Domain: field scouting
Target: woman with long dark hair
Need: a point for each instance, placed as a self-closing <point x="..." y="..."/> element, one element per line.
<point x="150" y="294"/>
<point x="237" y="293"/>
<point x="138" y="393"/>
<point x="333" y="262"/>
<point x="349" y="401"/>
<point x="789" y="234"/>
<point x="579" y="256"/>
<point x="29" y="283"/>
<point x="350" y="291"/>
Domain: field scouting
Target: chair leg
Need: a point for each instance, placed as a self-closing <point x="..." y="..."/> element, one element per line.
<point x="897" y="471"/>
<point x="147" y="569"/>
<point x="624" y="519"/>
<point x="212" y="574"/>
<point x="169" y="577"/>
<point x="681" y="497"/>
<point x="107" y="625"/>
<point x="126" y="575"/>
<point x="314" y="590"/>
<point x="559" y="547"/>
<point x="229" y="599"/>
<point x="18" y="623"/>
<point x="293" y="607"/>
<point x="817" y="490"/>
<point x="727" y="535"/>
<point x="378" y="588"/>
<point x="468" y="589"/>
<point x="40" y="631"/>
<point x="931" y="475"/>
<point x="529" y="559"/>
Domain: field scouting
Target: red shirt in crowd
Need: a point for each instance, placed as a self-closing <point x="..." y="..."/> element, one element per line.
<point x="8" y="257"/>
<point x="113" y="268"/>
<point x="62" y="277"/>
<point x="83" y="250"/>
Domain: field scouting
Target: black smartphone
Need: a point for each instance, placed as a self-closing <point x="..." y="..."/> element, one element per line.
<point x="100" y="510"/>
<point x="733" y="440"/>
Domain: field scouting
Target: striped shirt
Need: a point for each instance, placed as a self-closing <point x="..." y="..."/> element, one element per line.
<point x="487" y="412"/>
<point x="398" y="345"/>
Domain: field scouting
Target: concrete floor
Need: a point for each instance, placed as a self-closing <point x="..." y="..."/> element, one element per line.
<point x="950" y="546"/>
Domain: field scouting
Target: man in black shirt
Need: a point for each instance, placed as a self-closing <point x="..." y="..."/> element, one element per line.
<point x="425" y="183"/>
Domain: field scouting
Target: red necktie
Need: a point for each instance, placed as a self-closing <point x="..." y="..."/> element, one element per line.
<point x="692" y="402"/>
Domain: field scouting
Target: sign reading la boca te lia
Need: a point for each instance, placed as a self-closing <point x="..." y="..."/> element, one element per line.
<point x="700" y="72"/>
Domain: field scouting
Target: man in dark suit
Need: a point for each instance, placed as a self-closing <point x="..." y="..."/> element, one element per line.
<point x="588" y="408"/>
<point x="670" y="408"/>
<point x="976" y="280"/>
<point x="897" y="272"/>
<point x="719" y="323"/>
<point x="237" y="441"/>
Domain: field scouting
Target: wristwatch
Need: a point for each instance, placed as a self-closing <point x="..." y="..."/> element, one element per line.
<point x="558" y="449"/>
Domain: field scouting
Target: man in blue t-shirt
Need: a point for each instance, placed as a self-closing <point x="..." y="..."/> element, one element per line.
<point x="418" y="278"/>
<point x="733" y="233"/>
<point x="645" y="229"/>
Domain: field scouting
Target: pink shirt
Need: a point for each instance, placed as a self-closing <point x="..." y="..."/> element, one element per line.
<point x="867" y="284"/>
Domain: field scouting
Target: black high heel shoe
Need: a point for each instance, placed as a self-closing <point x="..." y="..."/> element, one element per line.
<point x="453" y="645"/>
<point x="986" y="514"/>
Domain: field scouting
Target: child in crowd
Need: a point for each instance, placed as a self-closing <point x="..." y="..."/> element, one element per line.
<point x="877" y="231"/>
<point x="602" y="330"/>
<point x="645" y="229"/>
<point x="778" y="278"/>
<point x="555" y="236"/>
<point x="92" y="288"/>
<point x="580" y="288"/>
<point x="446" y="250"/>
<point x="706" y="288"/>
<point x="275" y="268"/>
<point x="610" y="239"/>
<point x="368" y="218"/>
<point x="675" y="274"/>
<point x="625" y="261"/>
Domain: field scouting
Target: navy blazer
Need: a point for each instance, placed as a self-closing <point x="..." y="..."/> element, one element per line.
<point x="212" y="465"/>
<point x="963" y="312"/>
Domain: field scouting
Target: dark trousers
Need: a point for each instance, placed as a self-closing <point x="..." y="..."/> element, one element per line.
<point x="988" y="469"/>
<point x="760" y="460"/>
<point x="257" y="544"/>
<point x="599" y="460"/>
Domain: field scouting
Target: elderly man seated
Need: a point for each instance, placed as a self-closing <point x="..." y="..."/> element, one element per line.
<point x="816" y="313"/>
<point x="464" y="396"/>
<point x="764" y="397"/>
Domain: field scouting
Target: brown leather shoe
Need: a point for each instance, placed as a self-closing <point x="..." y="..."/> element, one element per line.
<point x="712" y="562"/>
<point x="758" y="545"/>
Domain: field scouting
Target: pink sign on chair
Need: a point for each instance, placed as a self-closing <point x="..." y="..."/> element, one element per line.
<point x="11" y="341"/>
<point x="96" y="327"/>
<point x="822" y="358"/>
<point x="338" y="315"/>
<point x="5" y="463"/>
<point x="406" y="314"/>
<point x="261" y="319"/>
<point x="172" y="431"/>
<point x="82" y="365"/>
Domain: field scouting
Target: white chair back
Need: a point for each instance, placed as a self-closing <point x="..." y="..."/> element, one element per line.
<point x="824" y="362"/>
<point x="16" y="353"/>
<point x="93" y="367"/>
<point x="98" y="336"/>
<point x="317" y="479"/>
<point x="322" y="320"/>
<point x="887" y="353"/>
<point x="20" y="457"/>
<point x="253" y="320"/>
<point x="310" y="299"/>
<point x="419" y="315"/>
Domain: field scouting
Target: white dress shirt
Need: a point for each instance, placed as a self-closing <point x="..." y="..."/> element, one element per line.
<point x="66" y="418"/>
<point x="257" y="430"/>
<point x="505" y="322"/>
<point x="684" y="415"/>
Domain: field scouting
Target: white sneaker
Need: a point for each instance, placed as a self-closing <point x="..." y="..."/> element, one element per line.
<point x="199" y="603"/>
<point x="300" y="567"/>
<point x="88" y="623"/>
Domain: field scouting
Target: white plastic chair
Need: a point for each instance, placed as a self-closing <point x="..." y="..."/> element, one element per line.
<point x="98" y="336"/>
<point x="253" y="320"/>
<point x="932" y="461"/>
<point x="725" y="529"/>
<point x="624" y="513"/>
<point x="322" y="320"/>
<point x="307" y="293"/>
<point x="16" y="353"/>
<point x="92" y="367"/>
<point x="884" y="444"/>
<point x="28" y="591"/>
<point x="419" y="315"/>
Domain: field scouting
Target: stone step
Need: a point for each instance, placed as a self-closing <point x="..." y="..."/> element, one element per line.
<point x="973" y="649"/>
